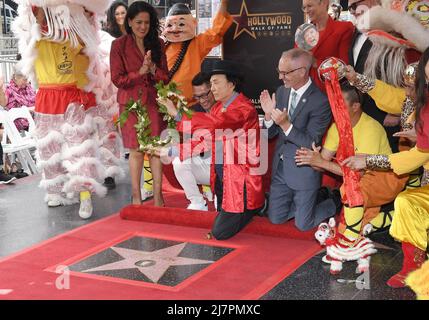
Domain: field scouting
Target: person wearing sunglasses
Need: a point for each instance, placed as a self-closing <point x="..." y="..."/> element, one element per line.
<point x="298" y="114"/>
<point x="196" y="170"/>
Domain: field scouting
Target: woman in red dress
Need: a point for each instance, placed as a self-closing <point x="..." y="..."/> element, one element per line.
<point x="137" y="63"/>
<point x="335" y="37"/>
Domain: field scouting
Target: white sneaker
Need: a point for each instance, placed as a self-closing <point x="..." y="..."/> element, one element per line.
<point x="146" y="194"/>
<point x="54" y="203"/>
<point x="85" y="209"/>
<point x="326" y="259"/>
<point x="198" y="206"/>
<point x="208" y="195"/>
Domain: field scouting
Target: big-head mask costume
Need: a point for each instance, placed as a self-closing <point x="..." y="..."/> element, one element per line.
<point x="185" y="50"/>
<point x="399" y="31"/>
<point x="180" y="25"/>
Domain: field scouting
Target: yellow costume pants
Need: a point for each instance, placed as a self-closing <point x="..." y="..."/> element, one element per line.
<point x="411" y="221"/>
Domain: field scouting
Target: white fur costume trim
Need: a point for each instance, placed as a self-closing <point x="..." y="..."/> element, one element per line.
<point x="58" y="180"/>
<point x="76" y="183"/>
<point x="52" y="136"/>
<point x="62" y="200"/>
<point x="52" y="161"/>
<point x="75" y="168"/>
<point x="96" y="6"/>
<point x="85" y="128"/>
<point x="80" y="150"/>
<point x="379" y="18"/>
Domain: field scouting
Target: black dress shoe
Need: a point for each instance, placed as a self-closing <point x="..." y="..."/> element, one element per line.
<point x="264" y="210"/>
<point x="6" y="178"/>
<point x="19" y="174"/>
<point x="323" y="194"/>
<point x="109" y="183"/>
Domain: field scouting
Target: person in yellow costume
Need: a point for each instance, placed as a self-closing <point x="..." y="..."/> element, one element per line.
<point x="378" y="188"/>
<point x="185" y="51"/>
<point x="392" y="99"/>
<point x="411" y="222"/>
<point x="59" y="47"/>
<point x="419" y="281"/>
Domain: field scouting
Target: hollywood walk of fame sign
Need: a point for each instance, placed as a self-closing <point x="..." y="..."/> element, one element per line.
<point x="261" y="31"/>
<point x="151" y="260"/>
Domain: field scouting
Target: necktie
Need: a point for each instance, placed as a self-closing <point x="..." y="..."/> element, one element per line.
<point x="293" y="103"/>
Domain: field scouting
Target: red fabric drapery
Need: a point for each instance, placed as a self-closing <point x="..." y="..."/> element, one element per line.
<point x="352" y="195"/>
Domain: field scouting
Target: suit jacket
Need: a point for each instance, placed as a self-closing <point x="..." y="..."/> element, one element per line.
<point x="334" y="41"/>
<point x="310" y="121"/>
<point x="359" y="66"/>
<point x="368" y="105"/>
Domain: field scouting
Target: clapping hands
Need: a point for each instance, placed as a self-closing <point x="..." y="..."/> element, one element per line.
<point x="267" y="103"/>
<point x="148" y="65"/>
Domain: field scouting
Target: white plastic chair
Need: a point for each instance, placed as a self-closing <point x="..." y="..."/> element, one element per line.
<point x="13" y="143"/>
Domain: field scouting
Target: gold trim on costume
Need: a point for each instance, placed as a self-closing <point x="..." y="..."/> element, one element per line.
<point x="377" y="161"/>
<point x="363" y="83"/>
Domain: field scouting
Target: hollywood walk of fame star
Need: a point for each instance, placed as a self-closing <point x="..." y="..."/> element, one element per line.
<point x="153" y="264"/>
<point x="241" y="20"/>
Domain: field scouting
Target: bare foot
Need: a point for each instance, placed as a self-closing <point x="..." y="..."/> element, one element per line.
<point x="158" y="201"/>
<point x="209" y="236"/>
<point x="136" y="202"/>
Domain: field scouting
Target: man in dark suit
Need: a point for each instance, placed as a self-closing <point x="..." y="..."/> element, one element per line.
<point x="358" y="53"/>
<point x="298" y="114"/>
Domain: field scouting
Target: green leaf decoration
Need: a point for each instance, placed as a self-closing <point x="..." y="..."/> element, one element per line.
<point x="147" y="142"/>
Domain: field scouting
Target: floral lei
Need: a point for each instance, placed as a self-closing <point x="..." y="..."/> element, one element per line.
<point x="147" y="142"/>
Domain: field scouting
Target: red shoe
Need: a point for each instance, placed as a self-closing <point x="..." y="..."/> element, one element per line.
<point x="413" y="259"/>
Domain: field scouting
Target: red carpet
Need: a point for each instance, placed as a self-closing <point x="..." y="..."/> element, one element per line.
<point x="263" y="255"/>
<point x="256" y="265"/>
<point x="174" y="214"/>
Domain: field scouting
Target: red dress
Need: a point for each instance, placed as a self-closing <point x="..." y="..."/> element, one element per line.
<point x="423" y="131"/>
<point x="125" y="62"/>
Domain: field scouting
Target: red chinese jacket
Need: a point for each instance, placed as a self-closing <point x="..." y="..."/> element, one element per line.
<point x="240" y="114"/>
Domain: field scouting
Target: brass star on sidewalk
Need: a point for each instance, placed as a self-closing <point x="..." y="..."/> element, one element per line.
<point x="153" y="264"/>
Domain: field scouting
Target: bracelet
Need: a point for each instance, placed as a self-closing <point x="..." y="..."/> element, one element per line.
<point x="363" y="83"/>
<point x="377" y="161"/>
<point x="407" y="109"/>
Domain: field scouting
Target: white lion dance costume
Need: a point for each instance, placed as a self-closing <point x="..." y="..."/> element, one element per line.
<point x="77" y="145"/>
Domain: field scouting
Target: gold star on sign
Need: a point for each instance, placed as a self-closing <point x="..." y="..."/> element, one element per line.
<point x="241" y="22"/>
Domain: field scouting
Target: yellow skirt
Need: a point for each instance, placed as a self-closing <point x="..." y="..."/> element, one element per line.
<point x="411" y="221"/>
<point x="419" y="281"/>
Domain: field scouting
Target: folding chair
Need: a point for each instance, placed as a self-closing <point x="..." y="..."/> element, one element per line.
<point x="16" y="145"/>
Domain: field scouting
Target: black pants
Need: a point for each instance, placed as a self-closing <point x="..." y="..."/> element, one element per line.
<point x="1" y="155"/>
<point x="228" y="224"/>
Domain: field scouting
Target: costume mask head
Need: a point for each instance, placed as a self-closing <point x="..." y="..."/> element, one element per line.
<point x="410" y="74"/>
<point x="180" y="25"/>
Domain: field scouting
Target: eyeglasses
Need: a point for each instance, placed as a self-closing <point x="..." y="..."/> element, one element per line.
<point x="204" y="96"/>
<point x="285" y="73"/>
<point x="354" y="6"/>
